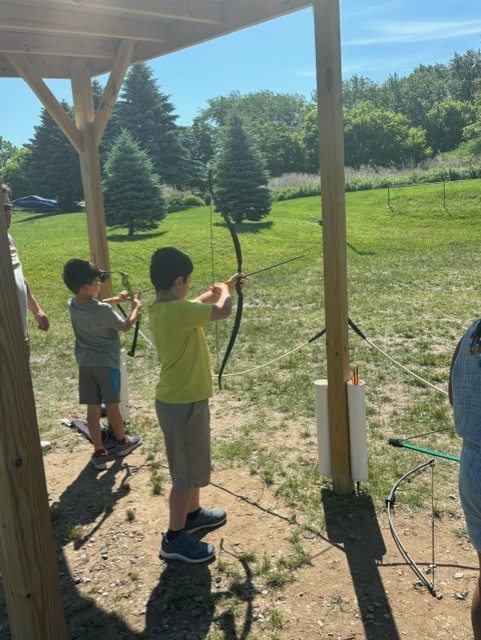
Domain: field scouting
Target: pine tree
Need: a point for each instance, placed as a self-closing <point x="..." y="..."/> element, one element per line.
<point x="133" y="194"/>
<point x="241" y="176"/>
<point x="149" y="116"/>
<point x="54" y="170"/>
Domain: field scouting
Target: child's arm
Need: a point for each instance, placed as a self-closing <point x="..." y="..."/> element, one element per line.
<point x="136" y="306"/>
<point x="122" y="297"/>
<point x="212" y="294"/>
<point x="219" y="296"/>
<point x="222" y="301"/>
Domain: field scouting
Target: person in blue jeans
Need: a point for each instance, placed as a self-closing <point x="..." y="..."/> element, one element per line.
<point x="465" y="397"/>
<point x="97" y="350"/>
<point x="182" y="397"/>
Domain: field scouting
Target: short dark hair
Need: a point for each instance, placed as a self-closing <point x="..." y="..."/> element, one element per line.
<point x="77" y="273"/>
<point x="166" y="265"/>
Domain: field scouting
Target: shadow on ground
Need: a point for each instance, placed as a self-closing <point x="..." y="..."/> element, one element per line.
<point x="352" y="524"/>
<point x="182" y="604"/>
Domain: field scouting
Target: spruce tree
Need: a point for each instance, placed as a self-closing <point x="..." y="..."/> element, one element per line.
<point x="240" y="175"/>
<point x="53" y="169"/>
<point x="133" y="194"/>
<point x="149" y="116"/>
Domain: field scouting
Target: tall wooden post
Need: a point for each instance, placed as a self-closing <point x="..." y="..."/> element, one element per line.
<point x="28" y="563"/>
<point x="90" y="167"/>
<point x="331" y="139"/>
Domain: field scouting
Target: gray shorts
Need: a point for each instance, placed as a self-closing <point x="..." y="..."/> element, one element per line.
<point x="470" y="490"/>
<point x="99" y="384"/>
<point x="186" y="429"/>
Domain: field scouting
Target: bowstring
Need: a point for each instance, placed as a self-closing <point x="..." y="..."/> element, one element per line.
<point x="212" y="259"/>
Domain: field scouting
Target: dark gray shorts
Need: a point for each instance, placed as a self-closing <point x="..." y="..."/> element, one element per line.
<point x="186" y="429"/>
<point x="99" y="384"/>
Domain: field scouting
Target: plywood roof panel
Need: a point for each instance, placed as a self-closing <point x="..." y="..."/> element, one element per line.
<point x="53" y="32"/>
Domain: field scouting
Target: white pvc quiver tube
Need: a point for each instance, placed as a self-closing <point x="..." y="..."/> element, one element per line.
<point x="356" y="403"/>
<point x="322" y="418"/>
<point x="124" y="388"/>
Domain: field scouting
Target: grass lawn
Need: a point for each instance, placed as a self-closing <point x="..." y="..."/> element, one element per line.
<point x="413" y="279"/>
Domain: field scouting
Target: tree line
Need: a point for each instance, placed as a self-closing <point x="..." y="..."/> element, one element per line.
<point x="399" y="122"/>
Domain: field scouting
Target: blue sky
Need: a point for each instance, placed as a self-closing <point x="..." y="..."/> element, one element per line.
<point x="378" y="38"/>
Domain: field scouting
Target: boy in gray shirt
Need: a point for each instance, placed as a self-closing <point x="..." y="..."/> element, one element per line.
<point x="97" y="351"/>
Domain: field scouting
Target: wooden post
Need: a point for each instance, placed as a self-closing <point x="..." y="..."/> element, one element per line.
<point x="85" y="135"/>
<point x="90" y="168"/>
<point x="28" y="563"/>
<point x="331" y="139"/>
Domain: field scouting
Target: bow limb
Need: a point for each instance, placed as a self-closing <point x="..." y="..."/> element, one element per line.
<point x="128" y="286"/>
<point x="240" y="295"/>
<point x="240" y="298"/>
<point x="390" y="502"/>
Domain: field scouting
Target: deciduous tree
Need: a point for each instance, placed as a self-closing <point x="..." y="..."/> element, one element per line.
<point x="381" y="138"/>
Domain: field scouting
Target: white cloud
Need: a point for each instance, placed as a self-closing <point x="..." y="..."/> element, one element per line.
<point x="392" y="32"/>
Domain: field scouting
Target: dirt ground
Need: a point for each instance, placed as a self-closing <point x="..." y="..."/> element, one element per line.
<point x="357" y="584"/>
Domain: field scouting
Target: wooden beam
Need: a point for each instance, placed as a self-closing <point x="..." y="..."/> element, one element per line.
<point x="331" y="133"/>
<point x="27" y="560"/>
<point x="47" y="20"/>
<point x="184" y="10"/>
<point x="90" y="167"/>
<point x="112" y="89"/>
<point x="50" y="102"/>
<point x="249" y="12"/>
<point x="47" y="45"/>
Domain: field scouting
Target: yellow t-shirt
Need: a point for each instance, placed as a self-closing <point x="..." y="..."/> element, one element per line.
<point x="177" y="327"/>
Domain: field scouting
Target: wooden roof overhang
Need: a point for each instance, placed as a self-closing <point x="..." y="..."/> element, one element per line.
<point x="50" y="33"/>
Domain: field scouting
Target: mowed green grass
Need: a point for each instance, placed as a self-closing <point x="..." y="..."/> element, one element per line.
<point x="413" y="283"/>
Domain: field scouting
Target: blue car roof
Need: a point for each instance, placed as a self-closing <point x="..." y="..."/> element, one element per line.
<point x="35" y="199"/>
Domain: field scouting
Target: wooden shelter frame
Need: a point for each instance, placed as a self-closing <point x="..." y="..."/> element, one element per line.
<point x="79" y="39"/>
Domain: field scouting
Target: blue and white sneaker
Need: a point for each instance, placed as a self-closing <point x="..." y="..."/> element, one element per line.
<point x="206" y="519"/>
<point x="184" y="547"/>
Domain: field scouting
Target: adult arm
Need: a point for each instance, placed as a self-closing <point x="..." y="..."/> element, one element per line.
<point x="33" y="306"/>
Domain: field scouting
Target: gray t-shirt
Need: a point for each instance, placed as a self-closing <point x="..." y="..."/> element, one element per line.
<point x="19" y="282"/>
<point x="96" y="326"/>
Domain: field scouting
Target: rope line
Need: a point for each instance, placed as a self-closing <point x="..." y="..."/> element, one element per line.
<point x="284" y="355"/>
<point x="405" y="369"/>
<point x="396" y="362"/>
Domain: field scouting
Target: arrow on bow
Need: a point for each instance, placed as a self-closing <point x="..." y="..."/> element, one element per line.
<point x="238" y="287"/>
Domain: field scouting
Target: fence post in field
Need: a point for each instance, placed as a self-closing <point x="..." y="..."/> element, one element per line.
<point x="27" y="555"/>
<point x="330" y="116"/>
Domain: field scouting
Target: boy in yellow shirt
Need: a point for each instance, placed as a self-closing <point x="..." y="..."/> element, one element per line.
<point x="182" y="397"/>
